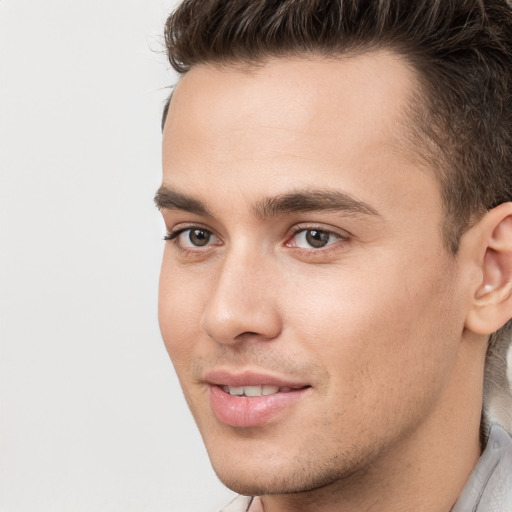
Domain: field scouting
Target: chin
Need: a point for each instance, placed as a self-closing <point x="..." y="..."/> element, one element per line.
<point x="283" y="475"/>
<point x="260" y="485"/>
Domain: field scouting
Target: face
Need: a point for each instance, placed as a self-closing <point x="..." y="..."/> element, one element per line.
<point x="307" y="302"/>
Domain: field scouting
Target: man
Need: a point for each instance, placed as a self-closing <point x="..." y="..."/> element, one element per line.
<point x="337" y="187"/>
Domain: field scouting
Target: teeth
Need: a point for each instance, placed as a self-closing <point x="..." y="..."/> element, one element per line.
<point x="269" y="390"/>
<point x="234" y="391"/>
<point x="253" y="390"/>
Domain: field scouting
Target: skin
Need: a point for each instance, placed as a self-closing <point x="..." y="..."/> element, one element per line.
<point x="381" y="322"/>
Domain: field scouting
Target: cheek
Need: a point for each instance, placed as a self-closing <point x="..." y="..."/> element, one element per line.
<point x="180" y="302"/>
<point x="388" y="329"/>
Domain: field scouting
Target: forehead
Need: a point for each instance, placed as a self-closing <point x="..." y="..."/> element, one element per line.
<point x="299" y="92"/>
<point x="301" y="119"/>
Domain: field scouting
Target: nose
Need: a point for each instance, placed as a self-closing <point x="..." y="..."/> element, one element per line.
<point x="244" y="302"/>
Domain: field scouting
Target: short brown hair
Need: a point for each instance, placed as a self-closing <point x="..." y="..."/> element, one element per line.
<point x="461" y="51"/>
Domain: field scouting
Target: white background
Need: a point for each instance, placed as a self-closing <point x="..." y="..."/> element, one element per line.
<point x="92" y="418"/>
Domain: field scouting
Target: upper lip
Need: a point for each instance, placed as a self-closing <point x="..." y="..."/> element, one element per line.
<point x="249" y="378"/>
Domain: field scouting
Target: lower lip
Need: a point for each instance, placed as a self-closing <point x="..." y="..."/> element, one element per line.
<point x="243" y="411"/>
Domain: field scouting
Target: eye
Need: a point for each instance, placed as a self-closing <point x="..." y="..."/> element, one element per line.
<point x="314" y="239"/>
<point x="191" y="238"/>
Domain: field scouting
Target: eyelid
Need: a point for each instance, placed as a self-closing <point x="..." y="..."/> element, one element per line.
<point x="318" y="254"/>
<point x="174" y="233"/>
<point x="298" y="228"/>
<point x="176" y="230"/>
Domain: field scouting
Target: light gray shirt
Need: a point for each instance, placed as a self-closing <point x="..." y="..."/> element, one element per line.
<point x="488" y="489"/>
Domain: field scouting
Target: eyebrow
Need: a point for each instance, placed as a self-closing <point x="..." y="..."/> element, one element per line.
<point x="169" y="199"/>
<point x="303" y="201"/>
<point x="300" y="201"/>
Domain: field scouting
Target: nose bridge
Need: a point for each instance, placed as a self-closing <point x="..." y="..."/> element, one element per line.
<point x="243" y="299"/>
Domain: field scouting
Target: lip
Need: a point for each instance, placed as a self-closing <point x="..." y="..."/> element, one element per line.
<point x="243" y="411"/>
<point x="250" y="378"/>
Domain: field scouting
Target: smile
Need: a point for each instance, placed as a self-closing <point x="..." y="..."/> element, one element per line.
<point x="254" y="405"/>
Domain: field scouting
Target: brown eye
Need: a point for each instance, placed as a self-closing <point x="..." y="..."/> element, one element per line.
<point x="199" y="237"/>
<point x="192" y="238"/>
<point x="316" y="238"/>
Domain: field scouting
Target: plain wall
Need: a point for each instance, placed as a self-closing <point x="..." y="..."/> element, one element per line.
<point x="92" y="417"/>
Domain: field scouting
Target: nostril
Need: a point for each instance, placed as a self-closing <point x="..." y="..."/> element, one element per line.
<point x="251" y="335"/>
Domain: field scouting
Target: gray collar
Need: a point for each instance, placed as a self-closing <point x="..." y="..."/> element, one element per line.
<point x="489" y="487"/>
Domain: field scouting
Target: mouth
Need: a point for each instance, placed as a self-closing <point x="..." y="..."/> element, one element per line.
<point x="251" y="400"/>
<point x="265" y="390"/>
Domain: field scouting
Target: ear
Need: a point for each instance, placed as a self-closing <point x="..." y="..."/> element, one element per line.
<point x="492" y="301"/>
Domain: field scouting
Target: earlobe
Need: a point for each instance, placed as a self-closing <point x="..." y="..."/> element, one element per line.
<point x="492" y="300"/>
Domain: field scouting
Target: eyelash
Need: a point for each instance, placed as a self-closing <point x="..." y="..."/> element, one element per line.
<point x="338" y="244"/>
<point x="173" y="235"/>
